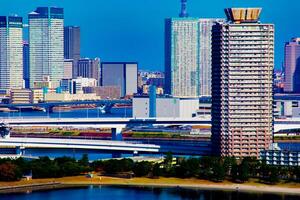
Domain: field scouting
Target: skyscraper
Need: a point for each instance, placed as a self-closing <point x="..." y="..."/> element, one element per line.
<point x="205" y="48"/>
<point x="89" y="68"/>
<point x="121" y="74"/>
<point x="242" y="80"/>
<point x="11" y="52"/>
<point x="72" y="45"/>
<point x="188" y="55"/>
<point x="292" y="66"/>
<point x="26" y="64"/>
<point x="46" y="39"/>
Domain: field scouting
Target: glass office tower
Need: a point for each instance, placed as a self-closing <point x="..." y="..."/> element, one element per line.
<point x="11" y="52"/>
<point x="46" y="38"/>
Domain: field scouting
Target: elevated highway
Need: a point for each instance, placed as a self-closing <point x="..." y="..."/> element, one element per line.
<point x="103" y="122"/>
<point x="50" y="143"/>
<point x="48" y="106"/>
<point x="279" y="124"/>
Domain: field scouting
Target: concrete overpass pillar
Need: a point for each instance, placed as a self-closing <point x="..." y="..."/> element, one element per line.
<point x="49" y="109"/>
<point x="20" y="150"/>
<point x="116" y="134"/>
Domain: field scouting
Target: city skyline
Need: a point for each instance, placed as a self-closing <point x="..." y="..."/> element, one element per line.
<point x="127" y="21"/>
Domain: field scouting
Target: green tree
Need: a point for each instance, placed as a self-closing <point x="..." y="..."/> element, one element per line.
<point x="228" y="163"/>
<point x="71" y="168"/>
<point x="142" y="168"/>
<point x="97" y="165"/>
<point x="274" y="175"/>
<point x="9" y="172"/>
<point x="207" y="165"/>
<point x="244" y="171"/>
<point x="45" y="168"/>
<point x="84" y="161"/>
<point x="218" y="172"/>
<point x="156" y="170"/>
<point x="296" y="173"/>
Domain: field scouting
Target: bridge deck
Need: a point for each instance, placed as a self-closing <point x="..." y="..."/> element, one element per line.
<point x="77" y="144"/>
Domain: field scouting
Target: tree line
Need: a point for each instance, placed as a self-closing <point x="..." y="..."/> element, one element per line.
<point x="215" y="169"/>
<point x="44" y="167"/>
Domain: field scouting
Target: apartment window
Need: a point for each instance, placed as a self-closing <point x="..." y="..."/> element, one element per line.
<point x="295" y="104"/>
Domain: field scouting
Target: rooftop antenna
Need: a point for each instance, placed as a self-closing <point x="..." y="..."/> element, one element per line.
<point x="183" y="9"/>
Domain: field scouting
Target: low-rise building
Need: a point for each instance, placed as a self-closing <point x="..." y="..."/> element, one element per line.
<point x="38" y="95"/>
<point x="75" y="86"/>
<point x="20" y="96"/>
<point x="105" y="92"/>
<point x="159" y="90"/>
<point x="286" y="105"/>
<point x="277" y="156"/>
<point x="165" y="107"/>
<point x="50" y="97"/>
<point x="45" y="83"/>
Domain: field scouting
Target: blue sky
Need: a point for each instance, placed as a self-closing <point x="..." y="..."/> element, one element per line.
<point x="133" y="30"/>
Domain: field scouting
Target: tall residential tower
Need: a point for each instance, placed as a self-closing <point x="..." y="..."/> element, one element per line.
<point x="46" y="38"/>
<point x="242" y="80"/>
<point x="188" y="55"/>
<point x="11" y="52"/>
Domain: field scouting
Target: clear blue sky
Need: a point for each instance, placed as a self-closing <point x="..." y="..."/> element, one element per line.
<point x="133" y="30"/>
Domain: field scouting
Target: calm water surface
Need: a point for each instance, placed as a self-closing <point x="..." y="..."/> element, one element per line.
<point x="114" y="193"/>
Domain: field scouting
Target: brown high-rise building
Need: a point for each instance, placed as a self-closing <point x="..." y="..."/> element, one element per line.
<point x="242" y="80"/>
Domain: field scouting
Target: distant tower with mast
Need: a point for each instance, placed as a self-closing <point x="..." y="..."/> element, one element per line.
<point x="183" y="12"/>
<point x="188" y="55"/>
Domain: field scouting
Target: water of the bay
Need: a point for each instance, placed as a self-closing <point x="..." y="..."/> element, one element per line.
<point x="136" y="193"/>
<point x="78" y="113"/>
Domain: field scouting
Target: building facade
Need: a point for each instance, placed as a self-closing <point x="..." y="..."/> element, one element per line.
<point x="280" y="157"/>
<point x="11" y="52"/>
<point x="68" y="68"/>
<point x="105" y="92"/>
<point x="121" y="74"/>
<point x="72" y="45"/>
<point x="72" y="42"/>
<point x="188" y="56"/>
<point x="88" y="68"/>
<point x="164" y="107"/>
<point x="46" y="38"/>
<point x="242" y="80"/>
<point x="75" y="86"/>
<point x="20" y="96"/>
<point x="292" y="66"/>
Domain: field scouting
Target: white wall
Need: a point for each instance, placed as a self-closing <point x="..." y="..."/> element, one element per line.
<point x="165" y="107"/>
<point x="140" y="108"/>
